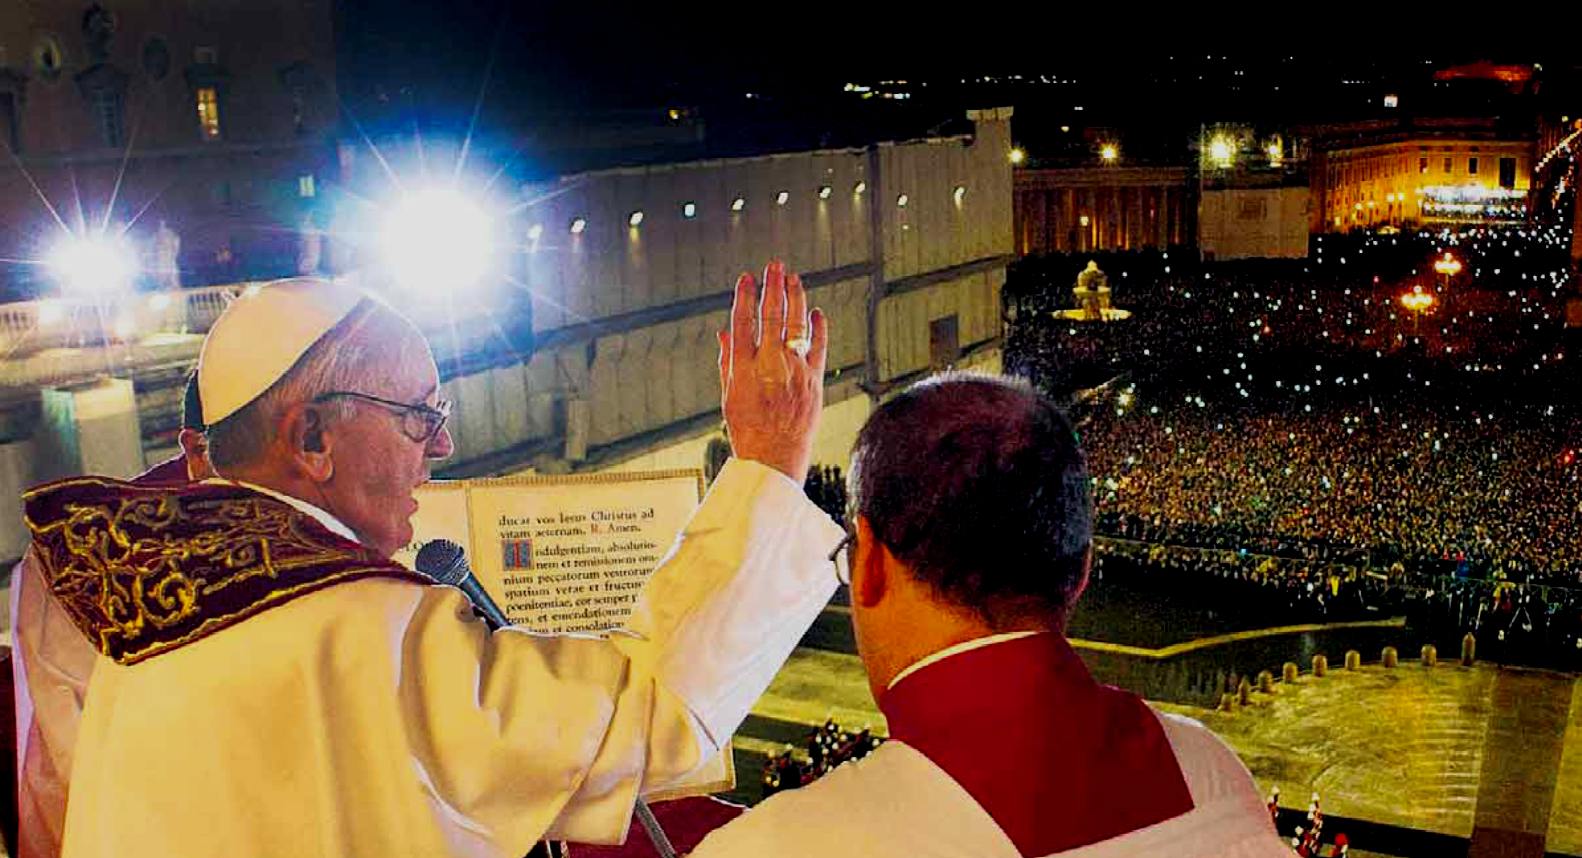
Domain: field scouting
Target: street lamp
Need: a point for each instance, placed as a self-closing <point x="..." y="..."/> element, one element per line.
<point x="1018" y="155"/>
<point x="1448" y="267"/>
<point x="1220" y="151"/>
<point x="1417" y="301"/>
<point x="1110" y="153"/>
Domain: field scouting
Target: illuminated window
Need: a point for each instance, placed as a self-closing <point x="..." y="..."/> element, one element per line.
<point x="1449" y="167"/>
<point x="1422" y="165"/>
<point x="306" y="187"/>
<point x="1472" y="166"/>
<point x="209" y="112"/>
<point x="1507" y="172"/>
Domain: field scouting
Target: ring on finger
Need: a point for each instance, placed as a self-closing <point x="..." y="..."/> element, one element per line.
<point x="801" y="345"/>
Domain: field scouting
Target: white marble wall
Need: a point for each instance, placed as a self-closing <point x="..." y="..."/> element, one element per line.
<point x="658" y="376"/>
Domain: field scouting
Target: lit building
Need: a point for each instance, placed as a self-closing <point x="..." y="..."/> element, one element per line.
<point x="1082" y="209"/>
<point x="217" y="119"/>
<point x="1426" y="172"/>
<point x="1254" y="193"/>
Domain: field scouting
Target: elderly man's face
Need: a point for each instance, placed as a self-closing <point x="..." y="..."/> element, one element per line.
<point x="376" y="465"/>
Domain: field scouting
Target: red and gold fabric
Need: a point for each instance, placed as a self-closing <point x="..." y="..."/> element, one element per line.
<point x="144" y="569"/>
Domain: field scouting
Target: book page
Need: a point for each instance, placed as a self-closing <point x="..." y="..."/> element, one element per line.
<point x="441" y="514"/>
<point x="567" y="554"/>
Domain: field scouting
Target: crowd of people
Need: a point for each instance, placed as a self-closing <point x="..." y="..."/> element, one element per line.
<point x="1523" y="623"/>
<point x="1283" y="589"/>
<point x="1294" y="431"/>
<point x="826" y="488"/>
<point x="1481" y="495"/>
<point x="826" y="748"/>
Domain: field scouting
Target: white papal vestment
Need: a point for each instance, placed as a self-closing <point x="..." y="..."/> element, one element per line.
<point x="380" y="718"/>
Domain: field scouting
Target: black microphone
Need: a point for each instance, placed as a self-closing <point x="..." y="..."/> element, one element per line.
<point x="446" y="563"/>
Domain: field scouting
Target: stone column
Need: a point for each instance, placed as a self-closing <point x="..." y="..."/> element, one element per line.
<point x="89" y="428"/>
<point x="16" y="474"/>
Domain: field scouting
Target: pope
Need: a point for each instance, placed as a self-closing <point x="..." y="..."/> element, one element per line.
<point x="234" y="666"/>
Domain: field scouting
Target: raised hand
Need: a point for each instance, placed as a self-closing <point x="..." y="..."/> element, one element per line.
<point x="772" y="372"/>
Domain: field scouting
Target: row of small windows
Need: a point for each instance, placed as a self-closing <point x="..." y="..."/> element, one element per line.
<point x="107" y="114"/>
<point x="1448" y="166"/>
<point x="106" y="96"/>
<point x="689" y="209"/>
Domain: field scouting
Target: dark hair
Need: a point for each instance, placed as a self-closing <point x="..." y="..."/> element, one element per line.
<point x="192" y="405"/>
<point x="979" y="484"/>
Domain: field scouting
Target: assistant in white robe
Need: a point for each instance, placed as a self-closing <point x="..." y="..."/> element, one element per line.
<point x="378" y="717"/>
<point x="1007" y="748"/>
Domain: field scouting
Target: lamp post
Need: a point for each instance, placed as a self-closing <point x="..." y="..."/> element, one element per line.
<point x="1417" y="301"/>
<point x="1448" y="267"/>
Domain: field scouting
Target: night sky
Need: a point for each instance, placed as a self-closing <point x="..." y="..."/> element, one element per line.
<point x="418" y="64"/>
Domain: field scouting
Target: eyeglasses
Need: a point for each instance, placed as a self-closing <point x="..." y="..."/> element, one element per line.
<point x="420" y="423"/>
<point x="843" y="564"/>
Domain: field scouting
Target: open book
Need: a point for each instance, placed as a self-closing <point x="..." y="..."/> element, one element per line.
<point x="567" y="554"/>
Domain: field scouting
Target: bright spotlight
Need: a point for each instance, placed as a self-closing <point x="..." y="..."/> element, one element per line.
<point x="1110" y="153"/>
<point x="959" y="193"/>
<point x="1219" y="149"/>
<point x="859" y="187"/>
<point x="689" y="210"/>
<point x="782" y="198"/>
<point x="1018" y="156"/>
<point x="636" y="219"/>
<point x="902" y="200"/>
<point x="97" y="266"/>
<point x="438" y="239"/>
<point x="824" y="192"/>
<point x="578" y="224"/>
<point x="535" y="232"/>
<point x="738" y="204"/>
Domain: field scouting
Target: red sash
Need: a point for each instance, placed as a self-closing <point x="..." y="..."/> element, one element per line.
<point x="1056" y="759"/>
<point x="142" y="570"/>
